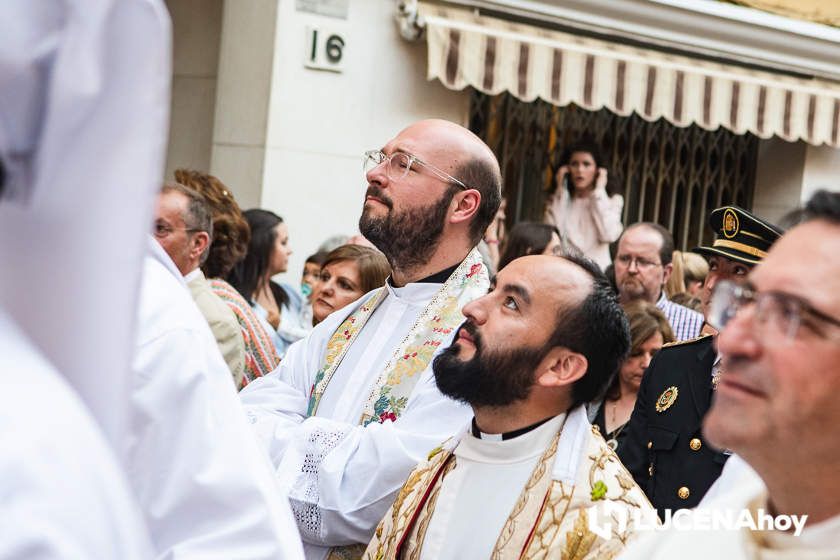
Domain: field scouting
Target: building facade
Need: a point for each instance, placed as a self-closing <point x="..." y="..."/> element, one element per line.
<point x="698" y="103"/>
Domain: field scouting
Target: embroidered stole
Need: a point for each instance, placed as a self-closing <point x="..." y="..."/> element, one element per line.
<point x="512" y="540"/>
<point x="550" y="519"/>
<point x="389" y="394"/>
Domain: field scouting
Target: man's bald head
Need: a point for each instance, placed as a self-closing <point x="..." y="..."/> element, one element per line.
<point x="454" y="139"/>
<point x="460" y="153"/>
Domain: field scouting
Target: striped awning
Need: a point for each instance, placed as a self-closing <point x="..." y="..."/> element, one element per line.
<point x="494" y="55"/>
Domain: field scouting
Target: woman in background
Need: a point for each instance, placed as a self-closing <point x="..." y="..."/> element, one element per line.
<point x="230" y="243"/>
<point x="649" y="330"/>
<point x="277" y="306"/>
<point x="532" y="238"/>
<point x="580" y="205"/>
<point x="348" y="272"/>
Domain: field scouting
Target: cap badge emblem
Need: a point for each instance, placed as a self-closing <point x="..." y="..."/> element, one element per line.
<point x="730" y="223"/>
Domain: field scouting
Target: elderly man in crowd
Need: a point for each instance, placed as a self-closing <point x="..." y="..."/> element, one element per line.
<point x="642" y="267"/>
<point x="353" y="407"/>
<point x="776" y="401"/>
<point x="530" y="474"/>
<point x="664" y="447"/>
<point x="184" y="228"/>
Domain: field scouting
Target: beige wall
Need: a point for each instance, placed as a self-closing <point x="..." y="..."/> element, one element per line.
<point x="789" y="172"/>
<point x="283" y="136"/>
<point x="321" y="122"/>
<point x="196" y="26"/>
<point x="822" y="170"/>
<point x="778" y="182"/>
<point x="242" y="102"/>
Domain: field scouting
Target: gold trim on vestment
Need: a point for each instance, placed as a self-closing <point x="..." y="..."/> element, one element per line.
<point x="418" y="534"/>
<point x="511" y="542"/>
<point x="553" y="522"/>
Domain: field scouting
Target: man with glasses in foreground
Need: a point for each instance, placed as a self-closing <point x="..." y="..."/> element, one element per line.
<point x="776" y="403"/>
<point x="353" y="407"/>
<point x="664" y="449"/>
<point x="642" y="267"/>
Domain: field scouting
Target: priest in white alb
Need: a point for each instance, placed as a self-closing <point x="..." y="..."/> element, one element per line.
<point x="354" y="406"/>
<point x="529" y="477"/>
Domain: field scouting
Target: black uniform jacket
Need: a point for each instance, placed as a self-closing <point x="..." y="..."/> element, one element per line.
<point x="665" y="450"/>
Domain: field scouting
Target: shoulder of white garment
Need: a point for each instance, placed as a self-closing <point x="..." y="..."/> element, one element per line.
<point x="54" y="464"/>
<point x="165" y="303"/>
<point x="220" y="493"/>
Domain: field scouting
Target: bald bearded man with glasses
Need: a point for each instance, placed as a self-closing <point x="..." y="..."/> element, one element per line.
<point x="353" y="407"/>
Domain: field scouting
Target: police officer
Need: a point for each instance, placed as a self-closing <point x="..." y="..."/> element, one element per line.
<point x="664" y="448"/>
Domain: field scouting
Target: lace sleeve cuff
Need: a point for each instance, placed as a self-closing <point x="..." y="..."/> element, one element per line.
<point x="303" y="464"/>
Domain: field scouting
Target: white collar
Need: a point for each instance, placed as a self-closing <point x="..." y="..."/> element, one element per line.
<point x="157" y="252"/>
<point x="195" y="274"/>
<point x="528" y="445"/>
<point x="414" y="293"/>
<point x="571" y="446"/>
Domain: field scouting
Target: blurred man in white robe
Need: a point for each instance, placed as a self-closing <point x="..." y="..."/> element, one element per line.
<point x="84" y="101"/>
<point x="205" y="487"/>
<point x="353" y="406"/>
<point x="62" y="492"/>
<point x="84" y="97"/>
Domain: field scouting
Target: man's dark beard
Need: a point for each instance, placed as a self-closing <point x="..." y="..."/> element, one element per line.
<point x="489" y="378"/>
<point x="407" y="239"/>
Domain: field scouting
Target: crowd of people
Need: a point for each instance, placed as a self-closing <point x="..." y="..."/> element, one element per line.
<point x="402" y="401"/>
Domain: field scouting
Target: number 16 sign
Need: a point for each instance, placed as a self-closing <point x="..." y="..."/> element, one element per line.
<point x="324" y="49"/>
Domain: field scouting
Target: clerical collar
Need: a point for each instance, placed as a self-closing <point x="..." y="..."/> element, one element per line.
<point x="439" y="277"/>
<point x="436" y="278"/>
<point x="507" y="435"/>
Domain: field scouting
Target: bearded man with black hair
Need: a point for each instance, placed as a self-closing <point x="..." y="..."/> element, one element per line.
<point x="530" y="474"/>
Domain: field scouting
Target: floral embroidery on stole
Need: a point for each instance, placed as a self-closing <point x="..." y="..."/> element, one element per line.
<point x="389" y="394"/>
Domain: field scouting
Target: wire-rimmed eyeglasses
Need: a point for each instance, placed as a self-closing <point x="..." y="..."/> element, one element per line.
<point x="399" y="164"/>
<point x="773" y="309"/>
<point x="642" y="264"/>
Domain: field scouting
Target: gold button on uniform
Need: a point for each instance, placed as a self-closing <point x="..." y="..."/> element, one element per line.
<point x="683" y="493"/>
<point x="650" y="444"/>
<point x="695" y="444"/>
<point x="650" y="470"/>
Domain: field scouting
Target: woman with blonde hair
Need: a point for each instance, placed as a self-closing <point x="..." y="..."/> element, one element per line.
<point x="348" y="273"/>
<point x="687" y="277"/>
<point x="231" y="235"/>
